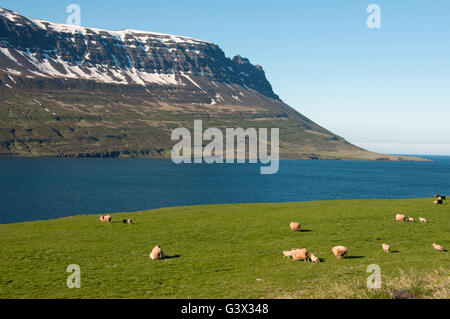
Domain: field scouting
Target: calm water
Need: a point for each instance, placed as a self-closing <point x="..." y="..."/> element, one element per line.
<point x="35" y="189"/>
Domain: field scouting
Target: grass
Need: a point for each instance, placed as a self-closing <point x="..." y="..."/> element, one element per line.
<point x="232" y="251"/>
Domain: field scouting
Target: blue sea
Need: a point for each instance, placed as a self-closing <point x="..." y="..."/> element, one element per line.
<point x="48" y="188"/>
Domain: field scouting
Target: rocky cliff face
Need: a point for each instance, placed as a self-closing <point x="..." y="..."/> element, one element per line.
<point x="37" y="48"/>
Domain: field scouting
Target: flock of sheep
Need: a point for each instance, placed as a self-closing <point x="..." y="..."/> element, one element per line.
<point x="342" y="251"/>
<point x="303" y="254"/>
<point x="439" y="199"/>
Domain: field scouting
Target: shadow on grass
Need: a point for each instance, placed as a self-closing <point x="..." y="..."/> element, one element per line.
<point x="173" y="256"/>
<point x="306" y="230"/>
<point x="122" y="222"/>
<point x="394" y="251"/>
<point x="354" y="257"/>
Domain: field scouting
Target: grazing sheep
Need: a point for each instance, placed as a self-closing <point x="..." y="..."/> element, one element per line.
<point x="130" y="221"/>
<point x="423" y="220"/>
<point x="287" y="253"/>
<point x="400" y="217"/>
<point x="105" y="219"/>
<point x="340" y="252"/>
<point x="438" y="202"/>
<point x="437" y="247"/>
<point x="295" y="226"/>
<point x="315" y="259"/>
<point x="300" y="254"/>
<point x="411" y="219"/>
<point x="157" y="253"/>
<point x="386" y="247"/>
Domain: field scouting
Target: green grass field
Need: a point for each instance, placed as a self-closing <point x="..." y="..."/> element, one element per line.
<point x="232" y="251"/>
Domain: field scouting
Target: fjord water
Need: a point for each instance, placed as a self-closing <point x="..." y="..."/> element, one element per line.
<point x="48" y="188"/>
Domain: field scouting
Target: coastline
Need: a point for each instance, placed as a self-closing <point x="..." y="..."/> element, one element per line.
<point x="382" y="158"/>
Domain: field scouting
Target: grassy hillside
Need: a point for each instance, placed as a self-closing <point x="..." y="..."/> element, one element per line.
<point x="231" y="251"/>
<point x="84" y="118"/>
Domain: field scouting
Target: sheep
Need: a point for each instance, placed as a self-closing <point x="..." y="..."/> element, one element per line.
<point x="315" y="259"/>
<point x="438" y="202"/>
<point x="105" y="219"/>
<point x="400" y="217"/>
<point x="386" y="247"/>
<point x="157" y="253"/>
<point x="287" y="253"/>
<point x="340" y="252"/>
<point x="124" y="221"/>
<point x="295" y="226"/>
<point x="437" y="247"/>
<point x="423" y="220"/>
<point x="300" y="254"/>
<point x="437" y="195"/>
<point x="443" y="197"/>
<point x="130" y="221"/>
<point x="411" y="219"/>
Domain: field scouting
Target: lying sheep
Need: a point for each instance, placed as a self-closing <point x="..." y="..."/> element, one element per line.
<point x="130" y="221"/>
<point x="411" y="219"/>
<point x="438" y="202"/>
<point x="340" y="252"/>
<point x="386" y="247"/>
<point x="157" y="253"/>
<point x="400" y="217"/>
<point x="300" y="254"/>
<point x="124" y="221"/>
<point x="437" y="247"/>
<point x="295" y="226"/>
<point x="423" y="220"/>
<point x="287" y="253"/>
<point x="315" y="259"/>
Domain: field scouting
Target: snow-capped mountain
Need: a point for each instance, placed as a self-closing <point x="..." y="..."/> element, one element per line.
<point x="37" y="48"/>
<point x="78" y="91"/>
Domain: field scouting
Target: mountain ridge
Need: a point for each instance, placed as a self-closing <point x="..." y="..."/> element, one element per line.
<point x="94" y="93"/>
<point x="47" y="49"/>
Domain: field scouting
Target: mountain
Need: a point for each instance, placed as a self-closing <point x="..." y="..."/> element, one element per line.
<point x="78" y="91"/>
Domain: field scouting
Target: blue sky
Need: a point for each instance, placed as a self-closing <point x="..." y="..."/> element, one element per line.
<point x="386" y="89"/>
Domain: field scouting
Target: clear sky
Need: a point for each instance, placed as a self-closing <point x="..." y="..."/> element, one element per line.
<point x="385" y="89"/>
